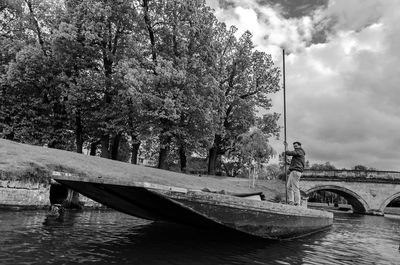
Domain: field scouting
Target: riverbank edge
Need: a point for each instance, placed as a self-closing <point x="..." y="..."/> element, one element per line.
<point x="26" y="195"/>
<point x="347" y="208"/>
<point x="26" y="175"/>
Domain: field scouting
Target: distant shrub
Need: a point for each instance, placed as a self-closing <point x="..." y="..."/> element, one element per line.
<point x="279" y="198"/>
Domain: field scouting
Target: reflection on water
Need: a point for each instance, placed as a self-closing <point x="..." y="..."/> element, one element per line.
<point x="109" y="237"/>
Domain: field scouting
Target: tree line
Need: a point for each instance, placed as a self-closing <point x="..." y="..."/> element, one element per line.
<point x="160" y="79"/>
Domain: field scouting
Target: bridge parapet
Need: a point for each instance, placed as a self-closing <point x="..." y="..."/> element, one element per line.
<point x="392" y="177"/>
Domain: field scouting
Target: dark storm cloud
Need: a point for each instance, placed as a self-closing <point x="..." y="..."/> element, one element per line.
<point x="295" y="9"/>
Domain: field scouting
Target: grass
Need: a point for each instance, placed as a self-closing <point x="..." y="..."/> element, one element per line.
<point x="35" y="164"/>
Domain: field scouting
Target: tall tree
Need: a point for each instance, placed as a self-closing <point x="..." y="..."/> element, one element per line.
<point x="178" y="80"/>
<point x="96" y="34"/>
<point x="12" y="39"/>
<point x="246" y="77"/>
<point x="97" y="73"/>
<point x="34" y="103"/>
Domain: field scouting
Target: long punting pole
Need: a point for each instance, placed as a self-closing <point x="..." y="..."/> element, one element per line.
<point x="284" y="122"/>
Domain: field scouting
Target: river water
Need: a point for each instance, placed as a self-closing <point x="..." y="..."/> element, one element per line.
<point x="109" y="237"/>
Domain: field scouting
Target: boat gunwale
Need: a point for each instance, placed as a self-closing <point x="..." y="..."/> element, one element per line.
<point x="246" y="204"/>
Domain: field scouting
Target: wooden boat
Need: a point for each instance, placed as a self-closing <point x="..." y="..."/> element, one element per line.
<point x="200" y="208"/>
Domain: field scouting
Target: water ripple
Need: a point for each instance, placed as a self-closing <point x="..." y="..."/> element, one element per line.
<point x="99" y="237"/>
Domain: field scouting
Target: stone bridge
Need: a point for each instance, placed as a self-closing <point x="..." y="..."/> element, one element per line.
<point x="369" y="192"/>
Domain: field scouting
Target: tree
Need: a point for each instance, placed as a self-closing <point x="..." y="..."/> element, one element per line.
<point x="174" y="82"/>
<point x="363" y="168"/>
<point x="272" y="171"/>
<point x="101" y="74"/>
<point x="326" y="166"/>
<point x="360" y="168"/>
<point x="253" y="147"/>
<point x="254" y="151"/>
<point x="14" y="36"/>
<point x="91" y="40"/>
<point x="250" y="152"/>
<point x="245" y="78"/>
<point x="37" y="111"/>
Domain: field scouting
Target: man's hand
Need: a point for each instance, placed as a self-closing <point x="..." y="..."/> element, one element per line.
<point x="285" y="144"/>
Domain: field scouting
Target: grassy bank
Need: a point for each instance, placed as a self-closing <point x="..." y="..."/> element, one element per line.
<point x="35" y="164"/>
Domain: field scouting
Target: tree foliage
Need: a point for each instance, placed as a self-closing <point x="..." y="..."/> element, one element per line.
<point x="163" y="79"/>
<point x="253" y="147"/>
<point x="251" y="152"/>
<point x="326" y="166"/>
<point x="363" y="168"/>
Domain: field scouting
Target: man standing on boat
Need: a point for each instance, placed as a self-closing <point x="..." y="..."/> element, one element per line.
<point x="296" y="168"/>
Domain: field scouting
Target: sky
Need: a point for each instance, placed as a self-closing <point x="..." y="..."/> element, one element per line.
<point x="342" y="74"/>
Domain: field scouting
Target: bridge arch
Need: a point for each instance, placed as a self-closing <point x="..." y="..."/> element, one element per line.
<point x="356" y="201"/>
<point x="388" y="200"/>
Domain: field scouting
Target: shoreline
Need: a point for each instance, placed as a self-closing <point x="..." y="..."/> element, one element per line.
<point x="344" y="208"/>
<point x="26" y="177"/>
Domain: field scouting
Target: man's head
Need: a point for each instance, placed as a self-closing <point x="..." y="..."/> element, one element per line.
<point x="296" y="144"/>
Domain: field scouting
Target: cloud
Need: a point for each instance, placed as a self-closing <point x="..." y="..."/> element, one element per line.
<point x="353" y="14"/>
<point x="271" y="30"/>
<point x="342" y="90"/>
<point x="342" y="98"/>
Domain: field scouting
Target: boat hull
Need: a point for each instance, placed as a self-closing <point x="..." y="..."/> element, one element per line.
<point x="203" y="209"/>
<point x="259" y="218"/>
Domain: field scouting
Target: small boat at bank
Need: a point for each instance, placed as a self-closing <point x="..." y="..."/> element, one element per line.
<point x="200" y="208"/>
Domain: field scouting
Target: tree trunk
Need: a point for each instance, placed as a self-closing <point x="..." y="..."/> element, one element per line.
<point x="213" y="155"/>
<point x="105" y="142"/>
<point x="150" y="30"/>
<point x="10" y="136"/>
<point x="212" y="161"/>
<point x="107" y="64"/>
<point x="165" y="142"/>
<point x="72" y="200"/>
<point x="93" y="148"/>
<point x="36" y="25"/>
<point x="135" y="149"/>
<point x="182" y="158"/>
<point x="115" y="145"/>
<point x="79" y="133"/>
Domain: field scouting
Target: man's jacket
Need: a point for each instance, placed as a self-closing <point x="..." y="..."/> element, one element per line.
<point x="298" y="160"/>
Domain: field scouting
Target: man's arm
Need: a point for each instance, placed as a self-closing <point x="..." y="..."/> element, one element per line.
<point x="293" y="153"/>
